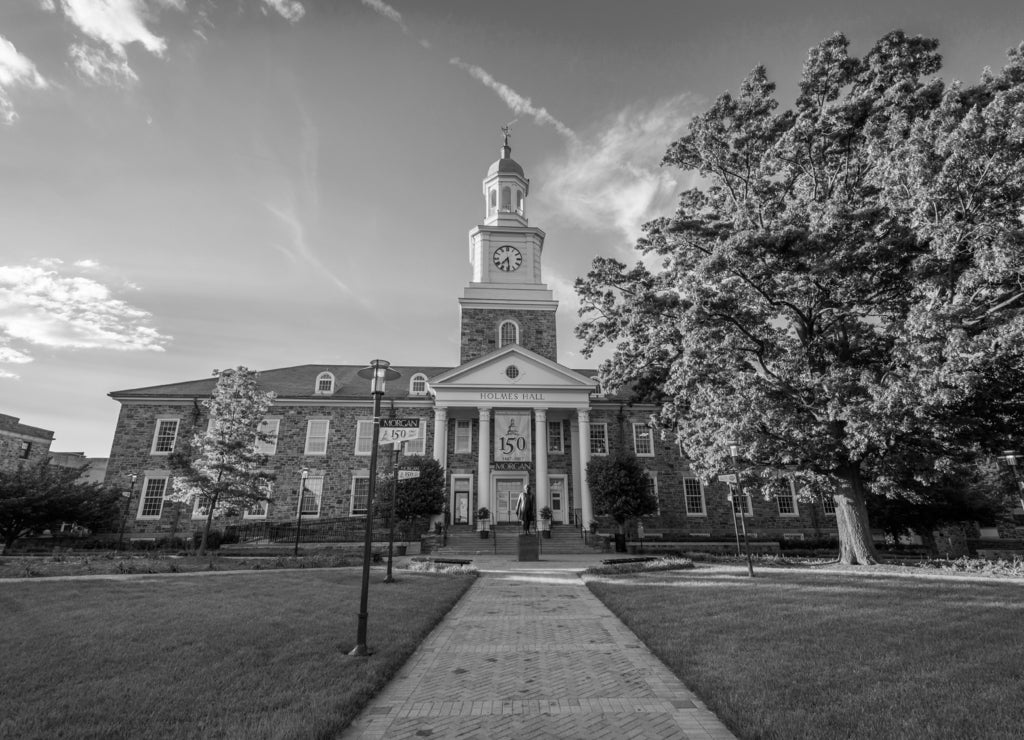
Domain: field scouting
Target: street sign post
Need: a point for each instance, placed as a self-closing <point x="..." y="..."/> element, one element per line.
<point x="406" y="474"/>
<point x="727" y="478"/>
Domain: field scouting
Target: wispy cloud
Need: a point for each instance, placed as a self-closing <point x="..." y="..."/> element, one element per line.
<point x="297" y="248"/>
<point x="520" y="104"/>
<point x="383" y="9"/>
<point x="102" y="65"/>
<point x="290" y="10"/>
<point x="47" y="307"/>
<point x="612" y="177"/>
<point x="16" y="71"/>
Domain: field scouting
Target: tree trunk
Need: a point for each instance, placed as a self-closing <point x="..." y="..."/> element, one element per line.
<point x="855" y="544"/>
<point x="206" y="529"/>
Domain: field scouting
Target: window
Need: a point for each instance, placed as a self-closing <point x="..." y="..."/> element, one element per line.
<point x="746" y="506"/>
<point x="364" y="436"/>
<point x="199" y="510"/>
<point x="417" y="446"/>
<point x="652" y="476"/>
<point x="163" y="439"/>
<point x="555" y="442"/>
<point x="311" y="495"/>
<point x="508" y="333"/>
<point x="324" y="383"/>
<point x="494" y="199"/>
<point x="418" y="385"/>
<point x="506" y="198"/>
<point x="693" y="492"/>
<point x="519" y="201"/>
<point x="787" y="501"/>
<point x="360" y="493"/>
<point x="463" y="435"/>
<point x="26" y="449"/>
<point x="269" y="427"/>
<point x="598" y="439"/>
<point x="828" y="503"/>
<point x="152" y="503"/>
<point x="257" y="510"/>
<point x="316" y="436"/>
<point x="642" y="444"/>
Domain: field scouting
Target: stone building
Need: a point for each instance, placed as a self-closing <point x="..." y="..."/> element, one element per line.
<point x="21" y="443"/>
<point x="509" y="413"/>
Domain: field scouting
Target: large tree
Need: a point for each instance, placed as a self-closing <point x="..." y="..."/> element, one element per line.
<point x="621" y="488"/>
<point x="223" y="468"/>
<point x="42" y="496"/>
<point x="843" y="294"/>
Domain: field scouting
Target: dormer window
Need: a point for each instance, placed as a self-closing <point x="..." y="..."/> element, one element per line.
<point x="508" y="333"/>
<point x="418" y="385"/>
<point x="324" y="384"/>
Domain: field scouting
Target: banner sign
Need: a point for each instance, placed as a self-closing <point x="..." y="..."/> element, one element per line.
<point x="512" y="436"/>
<point x="396" y="431"/>
<point x="407" y="474"/>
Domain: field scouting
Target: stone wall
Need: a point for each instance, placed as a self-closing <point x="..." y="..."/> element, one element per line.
<point x="480" y="331"/>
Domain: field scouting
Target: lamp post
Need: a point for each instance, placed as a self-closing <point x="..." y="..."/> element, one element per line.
<point x="389" y="578"/>
<point x="1013" y="458"/>
<point x="734" y="449"/>
<point x="302" y="493"/>
<point x="378" y="373"/>
<point x="127" y="506"/>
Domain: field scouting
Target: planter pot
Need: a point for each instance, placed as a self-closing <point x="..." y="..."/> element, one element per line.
<point x="484" y="534"/>
<point x="546" y="534"/>
<point x="401" y="549"/>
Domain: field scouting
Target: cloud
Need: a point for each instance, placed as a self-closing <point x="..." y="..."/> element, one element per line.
<point x="613" y="177"/>
<point x="290" y="10"/>
<point x="16" y="71"/>
<point x="87" y="264"/>
<point x="44" y="307"/>
<point x="102" y="66"/>
<point x="297" y="248"/>
<point x="518" y="103"/>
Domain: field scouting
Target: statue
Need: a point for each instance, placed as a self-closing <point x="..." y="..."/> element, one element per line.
<point x="525" y="508"/>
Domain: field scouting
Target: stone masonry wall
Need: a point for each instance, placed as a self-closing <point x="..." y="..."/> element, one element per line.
<point x="480" y="331"/>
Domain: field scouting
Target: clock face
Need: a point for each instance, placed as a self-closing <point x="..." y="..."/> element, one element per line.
<point x="507" y="258"/>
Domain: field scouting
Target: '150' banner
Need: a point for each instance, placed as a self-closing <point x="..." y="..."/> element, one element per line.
<point x="512" y="436"/>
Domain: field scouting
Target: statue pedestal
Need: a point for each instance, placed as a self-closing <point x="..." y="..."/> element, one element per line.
<point x="528" y="547"/>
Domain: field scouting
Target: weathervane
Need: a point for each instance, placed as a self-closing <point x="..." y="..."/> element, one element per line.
<point x="507" y="130"/>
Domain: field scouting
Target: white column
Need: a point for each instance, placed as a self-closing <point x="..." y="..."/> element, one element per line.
<point x="483" y="462"/>
<point x="441" y="435"/>
<point x="540" y="427"/>
<point x="583" y="417"/>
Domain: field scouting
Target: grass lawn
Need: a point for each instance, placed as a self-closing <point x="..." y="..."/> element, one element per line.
<point x="820" y="653"/>
<point x="251" y="655"/>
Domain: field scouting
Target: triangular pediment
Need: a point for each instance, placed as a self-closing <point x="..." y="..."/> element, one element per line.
<point x="512" y="374"/>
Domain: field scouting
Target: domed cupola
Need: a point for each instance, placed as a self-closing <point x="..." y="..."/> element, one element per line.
<point x="505" y="189"/>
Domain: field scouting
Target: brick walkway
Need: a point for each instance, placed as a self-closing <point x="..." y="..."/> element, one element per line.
<point x="530" y="653"/>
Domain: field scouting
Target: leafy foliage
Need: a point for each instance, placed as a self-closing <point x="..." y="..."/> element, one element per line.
<point x="845" y="294"/>
<point x="620" y="487"/>
<point x="223" y="469"/>
<point x="415" y="498"/>
<point x="42" y="496"/>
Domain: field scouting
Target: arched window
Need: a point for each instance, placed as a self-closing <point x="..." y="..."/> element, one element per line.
<point x="494" y="199"/>
<point x="324" y="383"/>
<point x="506" y="198"/>
<point x="519" y="202"/>
<point x="418" y="385"/>
<point x="508" y="333"/>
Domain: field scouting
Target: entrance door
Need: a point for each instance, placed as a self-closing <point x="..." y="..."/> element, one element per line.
<point x="556" y="487"/>
<point x="506" y="493"/>
<point x="460" y="506"/>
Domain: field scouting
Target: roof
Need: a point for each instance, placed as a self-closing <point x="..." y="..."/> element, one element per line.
<point x="506" y="165"/>
<point x="292" y="382"/>
<point x="13" y="425"/>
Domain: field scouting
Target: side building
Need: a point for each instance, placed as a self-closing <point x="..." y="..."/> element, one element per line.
<point x="21" y="443"/>
<point x="508" y="414"/>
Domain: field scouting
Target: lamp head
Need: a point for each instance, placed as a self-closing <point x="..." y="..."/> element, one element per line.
<point x="304" y="474"/>
<point x="378" y="373"/>
<point x="734" y="447"/>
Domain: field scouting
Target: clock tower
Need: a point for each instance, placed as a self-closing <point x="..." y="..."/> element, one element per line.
<point x="506" y="302"/>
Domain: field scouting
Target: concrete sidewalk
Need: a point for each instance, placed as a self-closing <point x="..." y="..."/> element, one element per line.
<point x="529" y="652"/>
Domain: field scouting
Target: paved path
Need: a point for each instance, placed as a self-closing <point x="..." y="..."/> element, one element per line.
<point x="529" y="652"/>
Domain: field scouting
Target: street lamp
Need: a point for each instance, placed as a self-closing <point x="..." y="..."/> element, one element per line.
<point x="302" y="492"/>
<point x="734" y="451"/>
<point x="378" y="373"/>
<point x="1013" y="458"/>
<point x="127" y="507"/>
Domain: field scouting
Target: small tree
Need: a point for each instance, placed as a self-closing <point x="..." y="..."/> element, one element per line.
<point x="620" y="488"/>
<point x="40" y="496"/>
<point x="415" y="498"/>
<point x="224" y="470"/>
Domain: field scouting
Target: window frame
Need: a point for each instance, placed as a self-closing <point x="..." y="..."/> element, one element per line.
<point x="828" y="501"/>
<point x="748" y="509"/>
<point x="636" y="440"/>
<point x="326" y="436"/>
<point x="144" y="496"/>
<point x="358" y="475"/>
<point x="412" y="383"/>
<point x="270" y="448"/>
<point x="318" y="494"/>
<point x="686" y="497"/>
<point x="421" y="443"/>
<point x="468" y="449"/>
<point x="160" y="420"/>
<point x="365" y="437"/>
<point x="594" y="426"/>
<point x="653" y="475"/>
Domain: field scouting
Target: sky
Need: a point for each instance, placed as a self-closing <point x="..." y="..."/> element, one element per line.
<point x="187" y="185"/>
